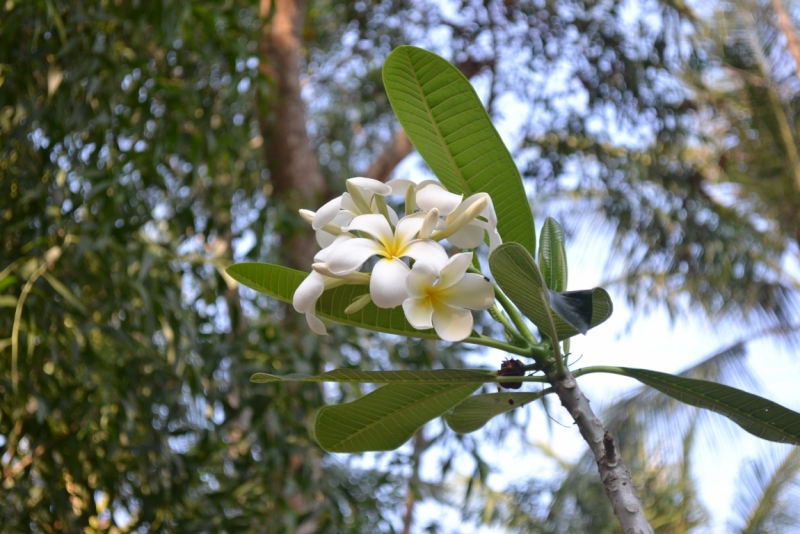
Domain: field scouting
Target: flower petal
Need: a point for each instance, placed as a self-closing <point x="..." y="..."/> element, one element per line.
<point x="306" y="295"/>
<point x="400" y="186"/>
<point x="326" y="213"/>
<point x="451" y="323"/>
<point x="349" y="255"/>
<point x="473" y="291"/>
<point x="322" y="255"/>
<point x="408" y="227"/>
<point x="421" y="279"/>
<point x="419" y="312"/>
<point x="349" y="205"/>
<point x="427" y="251"/>
<point x="431" y="194"/>
<point x="494" y="238"/>
<point x="371" y="185"/>
<point x="454" y="270"/>
<point x="375" y="225"/>
<point x="307" y="215"/>
<point x="315" y="324"/>
<point x="470" y="236"/>
<point x="393" y="218"/>
<point x="388" y="283"/>
<point x="429" y="224"/>
<point x="489" y="213"/>
<point x="324" y="239"/>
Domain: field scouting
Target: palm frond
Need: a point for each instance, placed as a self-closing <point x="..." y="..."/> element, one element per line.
<point x="769" y="490"/>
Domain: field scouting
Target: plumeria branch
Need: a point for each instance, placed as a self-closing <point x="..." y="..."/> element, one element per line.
<point x="561" y="370"/>
<point x="501" y="345"/>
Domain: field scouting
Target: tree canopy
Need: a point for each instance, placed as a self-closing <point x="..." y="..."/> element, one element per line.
<point x="148" y="145"/>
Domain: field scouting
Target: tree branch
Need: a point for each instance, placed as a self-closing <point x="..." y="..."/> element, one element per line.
<point x="615" y="476"/>
<point x="786" y="27"/>
<point x="420" y="446"/>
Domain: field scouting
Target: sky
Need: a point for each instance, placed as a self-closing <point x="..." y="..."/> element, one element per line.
<point x="654" y="342"/>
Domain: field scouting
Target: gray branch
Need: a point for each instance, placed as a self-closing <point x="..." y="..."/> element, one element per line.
<point x="615" y="476"/>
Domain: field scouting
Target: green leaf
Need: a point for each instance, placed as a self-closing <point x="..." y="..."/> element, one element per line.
<point x="437" y="376"/>
<point x="450" y="376"/>
<point x="273" y="280"/>
<point x="476" y="411"/>
<point x="575" y="307"/>
<point x="448" y="125"/>
<point x="387" y="417"/>
<point x="518" y="276"/>
<point x="758" y="416"/>
<point x="281" y="282"/>
<point x="64" y="291"/>
<point x="553" y="256"/>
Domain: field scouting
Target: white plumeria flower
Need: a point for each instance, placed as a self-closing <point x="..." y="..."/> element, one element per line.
<point x="365" y="197"/>
<point x="308" y="292"/>
<point x="463" y="229"/>
<point x="431" y="194"/>
<point x="471" y="235"/>
<point x="441" y="295"/>
<point x="388" y="282"/>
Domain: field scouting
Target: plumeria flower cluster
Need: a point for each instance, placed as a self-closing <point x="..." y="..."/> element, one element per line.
<point x="413" y="269"/>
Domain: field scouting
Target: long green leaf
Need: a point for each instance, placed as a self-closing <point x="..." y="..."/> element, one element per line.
<point x="448" y="125"/>
<point x="477" y="410"/>
<point x="757" y="415"/>
<point x="519" y="277"/>
<point x="281" y="282"/>
<point x="450" y="376"/>
<point x="387" y="417"/>
<point x="553" y="256"/>
<point x="274" y="280"/>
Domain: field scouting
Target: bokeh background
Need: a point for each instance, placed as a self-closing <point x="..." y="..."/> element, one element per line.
<point x="146" y="145"/>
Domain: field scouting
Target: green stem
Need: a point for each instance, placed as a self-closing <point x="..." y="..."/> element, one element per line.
<point x="599" y="369"/>
<point x="561" y="370"/>
<point x="516" y="318"/>
<point x="502" y="345"/>
<point x="536" y="350"/>
<point x="500" y="316"/>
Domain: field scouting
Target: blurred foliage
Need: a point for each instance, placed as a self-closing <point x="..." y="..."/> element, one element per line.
<point x="131" y="173"/>
<point x="130" y="177"/>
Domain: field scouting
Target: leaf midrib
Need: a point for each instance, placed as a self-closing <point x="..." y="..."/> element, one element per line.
<point x="349" y="438"/>
<point x="435" y="124"/>
<point x="631" y="373"/>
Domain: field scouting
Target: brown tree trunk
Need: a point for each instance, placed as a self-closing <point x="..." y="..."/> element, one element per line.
<point x="786" y="27"/>
<point x="294" y="171"/>
<point x="392" y="155"/>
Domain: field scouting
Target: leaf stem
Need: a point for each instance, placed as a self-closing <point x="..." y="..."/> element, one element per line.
<point x="599" y="369"/>
<point x="536" y="350"/>
<point x="561" y="370"/>
<point x="500" y="316"/>
<point x="516" y="318"/>
<point x="502" y="345"/>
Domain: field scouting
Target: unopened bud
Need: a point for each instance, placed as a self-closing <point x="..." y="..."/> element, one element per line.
<point x="429" y="224"/>
<point x="307" y="215"/>
<point x="358" y="303"/>
<point x="380" y="205"/>
<point x="355" y="278"/>
<point x="463" y="219"/>
<point x="411" y="202"/>
<point x="358" y="198"/>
